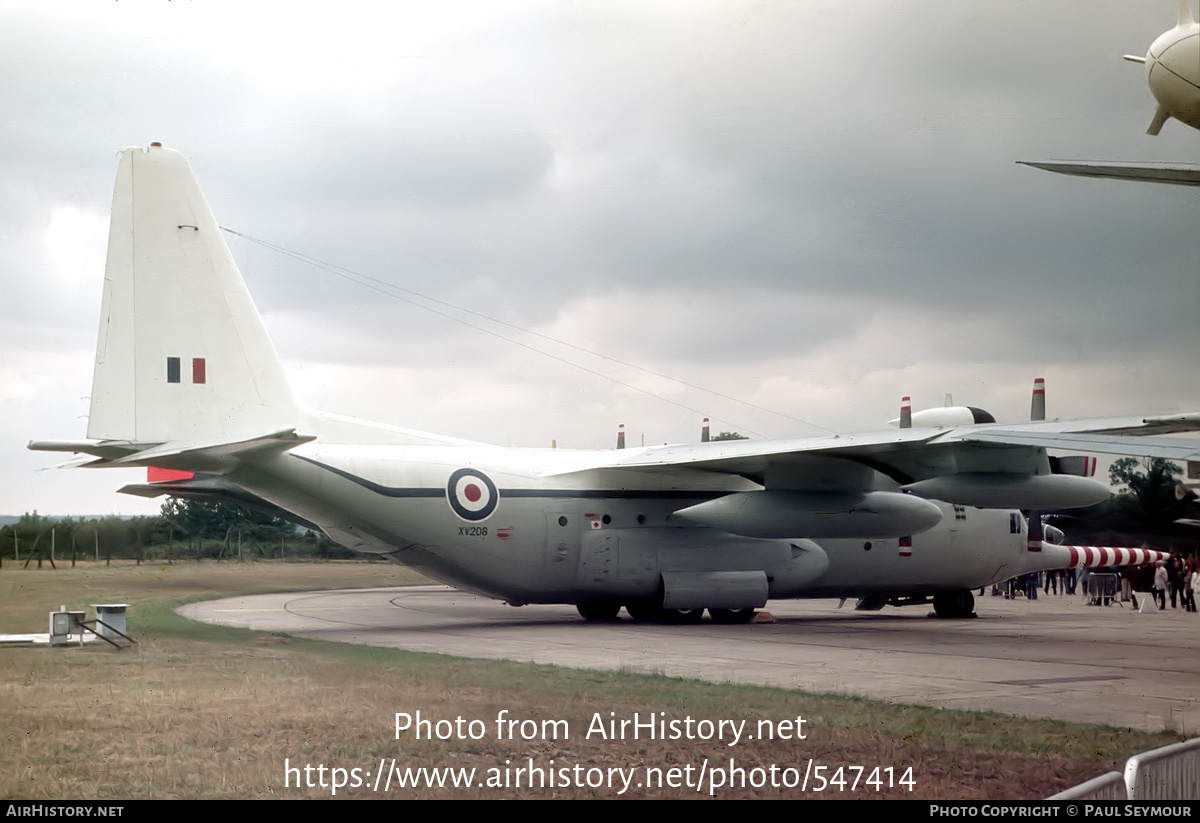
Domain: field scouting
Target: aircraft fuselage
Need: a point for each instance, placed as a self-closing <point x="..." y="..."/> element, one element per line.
<point x="500" y="523"/>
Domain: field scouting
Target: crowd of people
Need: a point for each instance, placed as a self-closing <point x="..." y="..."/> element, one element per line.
<point x="1177" y="577"/>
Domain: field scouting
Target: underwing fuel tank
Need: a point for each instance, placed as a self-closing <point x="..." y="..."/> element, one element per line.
<point x="998" y="490"/>
<point x="783" y="514"/>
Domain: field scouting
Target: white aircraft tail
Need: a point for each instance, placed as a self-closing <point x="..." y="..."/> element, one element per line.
<point x="182" y="355"/>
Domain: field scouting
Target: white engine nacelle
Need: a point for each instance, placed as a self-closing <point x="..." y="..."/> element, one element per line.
<point x="948" y="416"/>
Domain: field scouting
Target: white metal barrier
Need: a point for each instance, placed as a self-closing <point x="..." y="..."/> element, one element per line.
<point x="1169" y="773"/>
<point x="1109" y="786"/>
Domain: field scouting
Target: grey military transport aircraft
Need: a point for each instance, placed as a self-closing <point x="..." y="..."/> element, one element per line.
<point x="188" y="385"/>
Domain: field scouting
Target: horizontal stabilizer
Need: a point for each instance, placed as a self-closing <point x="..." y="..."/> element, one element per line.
<point x="212" y="457"/>
<point x="216" y="457"/>
<point x="105" y="449"/>
<point x="1171" y="174"/>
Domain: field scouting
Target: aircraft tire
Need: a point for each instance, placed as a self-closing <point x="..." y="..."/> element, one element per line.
<point x="682" y="616"/>
<point x="644" y="612"/>
<point x="731" y="617"/>
<point x="598" y="611"/>
<point x="954" y="604"/>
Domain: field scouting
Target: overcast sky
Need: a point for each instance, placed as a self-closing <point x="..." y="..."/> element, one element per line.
<point x="811" y="206"/>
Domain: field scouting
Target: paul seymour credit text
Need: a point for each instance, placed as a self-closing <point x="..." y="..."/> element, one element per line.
<point x="704" y="775"/>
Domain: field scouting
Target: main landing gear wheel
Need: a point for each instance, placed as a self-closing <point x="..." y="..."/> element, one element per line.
<point x="731" y="616"/>
<point x="647" y="613"/>
<point x="954" y="604"/>
<point x="599" y="611"/>
<point x="682" y="615"/>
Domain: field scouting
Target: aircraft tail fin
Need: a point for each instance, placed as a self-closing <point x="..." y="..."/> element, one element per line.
<point x="182" y="356"/>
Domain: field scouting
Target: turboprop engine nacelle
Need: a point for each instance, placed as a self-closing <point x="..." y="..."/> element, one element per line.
<point x="998" y="490"/>
<point x="783" y="514"/>
<point x="944" y="416"/>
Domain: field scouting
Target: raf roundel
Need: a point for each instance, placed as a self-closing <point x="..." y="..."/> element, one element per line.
<point x="472" y="495"/>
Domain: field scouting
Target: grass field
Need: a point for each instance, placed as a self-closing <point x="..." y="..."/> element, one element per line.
<point x="197" y="711"/>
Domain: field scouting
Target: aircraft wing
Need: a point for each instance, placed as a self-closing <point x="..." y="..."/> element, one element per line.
<point x="1182" y="450"/>
<point x="912" y="455"/>
<point x="750" y="458"/>
<point x="1174" y="175"/>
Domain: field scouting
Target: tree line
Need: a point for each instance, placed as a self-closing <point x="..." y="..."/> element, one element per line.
<point x="183" y="529"/>
<point x="1146" y="509"/>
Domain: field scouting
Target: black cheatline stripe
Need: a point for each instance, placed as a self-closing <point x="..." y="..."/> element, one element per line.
<point x="386" y="491"/>
<point x="624" y="494"/>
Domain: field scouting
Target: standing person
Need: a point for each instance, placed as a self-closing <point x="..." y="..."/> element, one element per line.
<point x="1189" y="586"/>
<point x="1127" y="573"/>
<point x="1160" y="585"/>
<point x="1175" y="579"/>
<point x="1051" y="581"/>
<point x="1068" y="578"/>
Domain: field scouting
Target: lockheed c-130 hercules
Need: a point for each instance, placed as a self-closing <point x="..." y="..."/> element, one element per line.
<point x="188" y="384"/>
